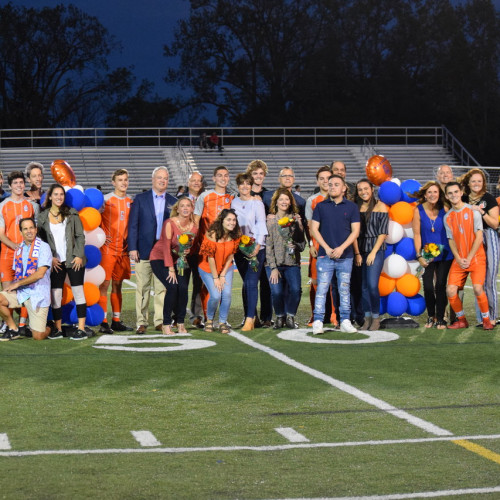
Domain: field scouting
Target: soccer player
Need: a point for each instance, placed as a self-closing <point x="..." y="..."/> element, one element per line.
<point x="464" y="229"/>
<point x="115" y="259"/>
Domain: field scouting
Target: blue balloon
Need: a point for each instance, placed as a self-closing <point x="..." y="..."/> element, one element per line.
<point x="66" y="312"/>
<point x="95" y="315"/>
<point x="93" y="255"/>
<point x="94" y="198"/>
<point x="50" y="316"/>
<point x="396" y="304"/>
<point x="389" y="192"/>
<point x="389" y="250"/>
<point x="73" y="317"/>
<point x="406" y="248"/>
<point x="416" y="305"/>
<point x="383" y="305"/>
<point x="75" y="199"/>
<point x="409" y="187"/>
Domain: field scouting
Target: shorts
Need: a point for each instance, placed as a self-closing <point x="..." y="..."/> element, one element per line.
<point x="6" y="271"/>
<point x="458" y="276"/>
<point x="37" y="317"/>
<point x="116" y="267"/>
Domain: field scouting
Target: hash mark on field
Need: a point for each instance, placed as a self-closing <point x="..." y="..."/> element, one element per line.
<point x="291" y="434"/>
<point x="4" y="442"/>
<point x="145" y="438"/>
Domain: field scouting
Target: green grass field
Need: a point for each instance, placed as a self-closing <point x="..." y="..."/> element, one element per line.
<point x="416" y="415"/>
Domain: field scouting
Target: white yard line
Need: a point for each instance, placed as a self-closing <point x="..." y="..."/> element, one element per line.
<point x="291" y="434"/>
<point x="279" y="447"/>
<point x="145" y="438"/>
<point x="349" y="389"/>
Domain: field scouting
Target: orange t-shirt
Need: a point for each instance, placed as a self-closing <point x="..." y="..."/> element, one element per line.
<point x="219" y="250"/>
<point x="114" y="223"/>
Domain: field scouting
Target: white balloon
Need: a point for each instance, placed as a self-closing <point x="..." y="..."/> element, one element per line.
<point x="412" y="267"/>
<point x="96" y="237"/>
<point x="395" y="232"/>
<point x="395" y="266"/>
<point x="396" y="181"/>
<point x="95" y="275"/>
<point x="66" y="188"/>
<point x="408" y="229"/>
<point x="77" y="186"/>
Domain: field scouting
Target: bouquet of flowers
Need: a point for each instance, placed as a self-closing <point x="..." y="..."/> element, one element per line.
<point x="285" y="226"/>
<point x="247" y="247"/>
<point x="185" y="243"/>
<point x="429" y="253"/>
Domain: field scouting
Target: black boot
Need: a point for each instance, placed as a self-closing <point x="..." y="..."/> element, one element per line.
<point x="279" y="323"/>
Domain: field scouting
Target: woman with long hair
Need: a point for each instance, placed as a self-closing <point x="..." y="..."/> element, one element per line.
<point x="60" y="226"/>
<point x="217" y="250"/>
<point x="251" y="215"/>
<point x="474" y="185"/>
<point x="428" y="227"/>
<point x="283" y="247"/>
<point x="370" y="252"/>
<point x="164" y="259"/>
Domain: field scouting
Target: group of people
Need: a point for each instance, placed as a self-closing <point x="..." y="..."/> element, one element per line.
<point x="199" y="235"/>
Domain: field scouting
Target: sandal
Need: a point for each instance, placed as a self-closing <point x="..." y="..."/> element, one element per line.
<point x="224" y="328"/>
<point x="181" y="328"/>
<point x="209" y="326"/>
<point x="430" y="322"/>
<point x="441" y="324"/>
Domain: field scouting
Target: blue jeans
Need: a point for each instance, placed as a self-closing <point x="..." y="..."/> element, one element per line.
<point x="287" y="292"/>
<point x="215" y="297"/>
<point x="250" y="290"/>
<point x="326" y="268"/>
<point x="370" y="276"/>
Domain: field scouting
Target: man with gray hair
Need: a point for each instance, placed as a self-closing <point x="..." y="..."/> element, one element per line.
<point x="147" y="214"/>
<point x="444" y="174"/>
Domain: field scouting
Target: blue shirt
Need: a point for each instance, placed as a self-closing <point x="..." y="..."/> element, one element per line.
<point x="39" y="291"/>
<point x="159" y="202"/>
<point x="335" y="221"/>
<point x="437" y="236"/>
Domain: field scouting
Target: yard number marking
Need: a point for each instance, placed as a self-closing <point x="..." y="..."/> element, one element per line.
<point x="133" y="343"/>
<point x="301" y="335"/>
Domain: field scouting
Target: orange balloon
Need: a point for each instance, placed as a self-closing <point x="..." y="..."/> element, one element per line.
<point x="90" y="217"/>
<point x="92" y="293"/>
<point x="378" y="169"/>
<point x="63" y="173"/>
<point x="408" y="285"/>
<point x="386" y="285"/>
<point x="401" y="212"/>
<point x="67" y="295"/>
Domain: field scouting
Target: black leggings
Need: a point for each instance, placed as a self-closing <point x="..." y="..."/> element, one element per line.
<point x="76" y="280"/>
<point x="435" y="293"/>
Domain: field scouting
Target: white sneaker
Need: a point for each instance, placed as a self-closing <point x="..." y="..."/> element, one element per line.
<point x="317" y="327"/>
<point x="346" y="326"/>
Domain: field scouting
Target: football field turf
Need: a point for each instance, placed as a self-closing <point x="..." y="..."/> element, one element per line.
<point x="415" y="414"/>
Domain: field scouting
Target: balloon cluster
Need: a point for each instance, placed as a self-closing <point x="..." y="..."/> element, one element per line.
<point x="87" y="203"/>
<point x="398" y="284"/>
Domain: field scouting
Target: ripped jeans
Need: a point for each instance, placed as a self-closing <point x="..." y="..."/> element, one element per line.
<point x="325" y="268"/>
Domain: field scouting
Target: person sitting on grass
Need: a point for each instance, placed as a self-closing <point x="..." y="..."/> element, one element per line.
<point x="219" y="245"/>
<point x="31" y="285"/>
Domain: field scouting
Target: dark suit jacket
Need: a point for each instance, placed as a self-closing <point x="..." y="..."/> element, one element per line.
<point x="142" y="222"/>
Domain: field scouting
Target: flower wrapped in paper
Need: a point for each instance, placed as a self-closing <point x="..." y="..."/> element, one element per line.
<point x="285" y="227"/>
<point x="429" y="253"/>
<point x="185" y="241"/>
<point x="247" y="247"/>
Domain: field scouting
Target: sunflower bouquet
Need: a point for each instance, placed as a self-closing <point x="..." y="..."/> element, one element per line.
<point x="185" y="241"/>
<point x="429" y="253"/>
<point x="247" y="247"/>
<point x="285" y="227"/>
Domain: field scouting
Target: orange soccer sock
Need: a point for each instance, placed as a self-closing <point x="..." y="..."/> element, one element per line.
<point x="456" y="305"/>
<point x="116" y="305"/>
<point x="482" y="302"/>
<point x="103" y="302"/>
<point x="23" y="316"/>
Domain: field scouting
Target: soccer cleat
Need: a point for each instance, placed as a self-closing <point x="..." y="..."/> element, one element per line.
<point x="118" y="326"/>
<point x="487" y="325"/>
<point x="347" y="327"/>
<point x="79" y="335"/>
<point x="459" y="323"/>
<point x="317" y="327"/>
<point x="105" y="328"/>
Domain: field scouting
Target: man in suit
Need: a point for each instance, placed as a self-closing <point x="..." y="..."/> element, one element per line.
<point x="147" y="214"/>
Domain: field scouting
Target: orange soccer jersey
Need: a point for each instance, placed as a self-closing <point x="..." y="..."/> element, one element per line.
<point x="209" y="205"/>
<point x="311" y="203"/>
<point x="115" y="223"/>
<point x="11" y="212"/>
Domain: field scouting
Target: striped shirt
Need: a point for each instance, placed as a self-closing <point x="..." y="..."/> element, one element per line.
<point x="371" y="228"/>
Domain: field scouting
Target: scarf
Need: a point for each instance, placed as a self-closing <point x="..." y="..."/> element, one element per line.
<point x="32" y="260"/>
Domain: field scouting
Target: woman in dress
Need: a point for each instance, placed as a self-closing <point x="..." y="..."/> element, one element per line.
<point x="475" y="194"/>
<point x="283" y="248"/>
<point x="60" y="226"/>
<point x="251" y="215"/>
<point x="428" y="227"/>
<point x="370" y="250"/>
<point x="217" y="250"/>
<point x="164" y="259"/>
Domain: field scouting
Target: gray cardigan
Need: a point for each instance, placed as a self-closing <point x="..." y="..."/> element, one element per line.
<point x="75" y="237"/>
